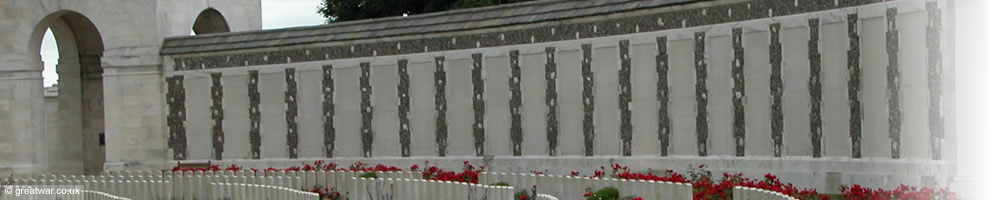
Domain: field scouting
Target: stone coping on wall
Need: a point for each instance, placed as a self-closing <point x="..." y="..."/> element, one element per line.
<point x="526" y="23"/>
<point x="565" y="164"/>
<point x="464" y="19"/>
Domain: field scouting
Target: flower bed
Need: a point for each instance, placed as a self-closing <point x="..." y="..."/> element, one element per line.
<point x="704" y="187"/>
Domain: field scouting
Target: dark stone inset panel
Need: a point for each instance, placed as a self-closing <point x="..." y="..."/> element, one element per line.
<point x="218" y="138"/>
<point x="663" y="95"/>
<point x="478" y="104"/>
<point x="701" y="93"/>
<point x="815" y="90"/>
<point x="176" y="96"/>
<point x="613" y="25"/>
<point x="292" y="113"/>
<point x="329" y="132"/>
<point x="934" y="72"/>
<point x="777" y="86"/>
<point x="739" y="93"/>
<point x="403" y="92"/>
<point x="892" y="71"/>
<point x="254" y="93"/>
<point x="516" y="131"/>
<point x="367" y="134"/>
<point x="441" y="104"/>
<point x="551" y="99"/>
<point x="625" y="96"/>
<point x="854" y="84"/>
<point x="588" y="100"/>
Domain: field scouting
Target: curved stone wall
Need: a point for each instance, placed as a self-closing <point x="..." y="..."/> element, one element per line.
<point x="822" y="93"/>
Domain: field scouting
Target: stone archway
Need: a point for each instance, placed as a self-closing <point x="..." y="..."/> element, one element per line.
<point x="79" y="119"/>
<point x="210" y="21"/>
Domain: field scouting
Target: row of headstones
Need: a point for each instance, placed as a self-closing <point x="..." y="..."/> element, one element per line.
<point x="573" y="187"/>
<point x="168" y="185"/>
<point x="67" y="193"/>
<point x="96" y="195"/>
<point x="196" y="184"/>
<point x="130" y="189"/>
<point x="227" y="191"/>
<point x="416" y="189"/>
<point x="745" y="193"/>
<point x="546" y="197"/>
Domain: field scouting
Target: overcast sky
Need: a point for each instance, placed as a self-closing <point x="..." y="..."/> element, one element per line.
<point x="275" y="14"/>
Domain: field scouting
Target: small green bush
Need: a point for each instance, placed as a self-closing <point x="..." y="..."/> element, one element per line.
<point x="501" y="183"/>
<point x="607" y="193"/>
<point x="368" y="175"/>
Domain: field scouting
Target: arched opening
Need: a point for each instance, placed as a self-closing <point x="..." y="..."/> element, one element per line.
<point x="210" y="21"/>
<point x="74" y="115"/>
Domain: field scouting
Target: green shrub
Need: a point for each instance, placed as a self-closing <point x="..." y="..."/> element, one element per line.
<point x="368" y="175"/>
<point x="607" y="193"/>
<point x="501" y="183"/>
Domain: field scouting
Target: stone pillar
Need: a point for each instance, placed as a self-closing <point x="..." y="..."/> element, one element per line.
<point x="91" y="98"/>
<point x="20" y="119"/>
<point x="134" y="117"/>
<point x="70" y="117"/>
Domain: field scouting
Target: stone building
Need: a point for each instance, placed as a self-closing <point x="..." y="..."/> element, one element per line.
<point x="820" y="92"/>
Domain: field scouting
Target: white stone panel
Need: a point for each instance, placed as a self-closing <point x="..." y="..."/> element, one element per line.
<point x="236" y="109"/>
<point x="460" y="114"/>
<point x="137" y="100"/>
<point x="684" y="140"/>
<point x="385" y="101"/>
<point x="273" y="127"/>
<point x="836" y="105"/>
<point x="422" y="113"/>
<point x="533" y="98"/>
<point x="914" y="94"/>
<point x="795" y="100"/>
<point x="757" y="71"/>
<point x="198" y="125"/>
<point x="607" y="117"/>
<point x="719" y="55"/>
<point x="874" y="60"/>
<point x="645" y="107"/>
<point x="347" y="116"/>
<point x="569" y="81"/>
<point x="496" y="71"/>
<point x="311" y="136"/>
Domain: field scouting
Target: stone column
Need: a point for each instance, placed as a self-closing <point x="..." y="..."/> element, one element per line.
<point x="70" y="118"/>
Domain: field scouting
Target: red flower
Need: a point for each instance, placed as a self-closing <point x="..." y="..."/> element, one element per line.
<point x="637" y="198"/>
<point x="588" y="194"/>
<point x="523" y="197"/>
<point x="234" y="167"/>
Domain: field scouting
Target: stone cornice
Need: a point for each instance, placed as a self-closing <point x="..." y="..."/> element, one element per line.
<point x="450" y="30"/>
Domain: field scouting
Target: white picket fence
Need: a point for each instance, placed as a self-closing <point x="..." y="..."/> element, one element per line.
<point x="233" y="191"/>
<point x="415" y="189"/>
<point x="745" y="193"/>
<point x="573" y="187"/>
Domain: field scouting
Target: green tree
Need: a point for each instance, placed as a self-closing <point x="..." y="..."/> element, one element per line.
<point x="348" y="10"/>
